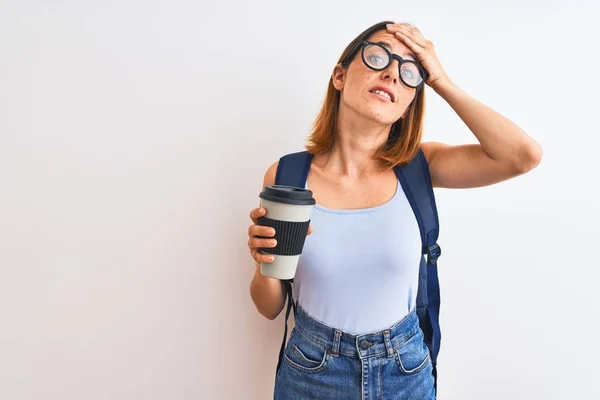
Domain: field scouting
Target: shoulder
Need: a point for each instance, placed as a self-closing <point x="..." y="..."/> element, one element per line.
<point x="270" y="174"/>
<point x="288" y="162"/>
<point x="292" y="163"/>
<point x="430" y="149"/>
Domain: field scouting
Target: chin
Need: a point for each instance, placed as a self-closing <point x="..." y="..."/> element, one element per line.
<point x="385" y="113"/>
<point x="376" y="111"/>
<point x="383" y="117"/>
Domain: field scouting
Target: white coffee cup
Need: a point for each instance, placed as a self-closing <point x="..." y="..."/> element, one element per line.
<point x="288" y="212"/>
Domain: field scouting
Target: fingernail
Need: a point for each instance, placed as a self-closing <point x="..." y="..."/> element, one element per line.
<point x="273" y="242"/>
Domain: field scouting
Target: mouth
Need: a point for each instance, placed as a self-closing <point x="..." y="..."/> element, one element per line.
<point x="383" y="92"/>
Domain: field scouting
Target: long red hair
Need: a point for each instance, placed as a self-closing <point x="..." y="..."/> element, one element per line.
<point x="405" y="134"/>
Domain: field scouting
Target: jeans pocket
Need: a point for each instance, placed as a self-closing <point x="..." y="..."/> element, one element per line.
<point x="412" y="356"/>
<point x="304" y="355"/>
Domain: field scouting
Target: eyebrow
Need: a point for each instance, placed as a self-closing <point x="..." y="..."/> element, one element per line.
<point x="389" y="46"/>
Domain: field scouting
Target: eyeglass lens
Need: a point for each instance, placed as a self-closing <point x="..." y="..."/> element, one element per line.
<point x="378" y="58"/>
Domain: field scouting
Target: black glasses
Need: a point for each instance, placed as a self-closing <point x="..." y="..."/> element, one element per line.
<point x="377" y="57"/>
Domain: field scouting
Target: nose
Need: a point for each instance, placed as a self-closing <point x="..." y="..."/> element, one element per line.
<point x="392" y="72"/>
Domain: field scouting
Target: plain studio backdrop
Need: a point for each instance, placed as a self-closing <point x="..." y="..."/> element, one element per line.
<point x="133" y="141"/>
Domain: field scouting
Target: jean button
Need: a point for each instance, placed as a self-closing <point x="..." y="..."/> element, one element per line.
<point x="365" y="344"/>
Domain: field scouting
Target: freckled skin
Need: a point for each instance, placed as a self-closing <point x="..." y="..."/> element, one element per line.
<point x="360" y="78"/>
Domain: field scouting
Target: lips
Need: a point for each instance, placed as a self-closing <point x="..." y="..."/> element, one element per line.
<point x="383" y="91"/>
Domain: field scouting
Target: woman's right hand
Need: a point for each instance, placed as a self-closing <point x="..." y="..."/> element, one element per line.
<point x="255" y="243"/>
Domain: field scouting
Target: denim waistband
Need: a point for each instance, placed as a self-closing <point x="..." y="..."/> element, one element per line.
<point x="364" y="345"/>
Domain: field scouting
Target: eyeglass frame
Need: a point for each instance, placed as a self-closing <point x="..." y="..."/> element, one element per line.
<point x="392" y="56"/>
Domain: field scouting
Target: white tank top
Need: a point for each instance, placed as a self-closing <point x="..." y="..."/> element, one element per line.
<point x="359" y="269"/>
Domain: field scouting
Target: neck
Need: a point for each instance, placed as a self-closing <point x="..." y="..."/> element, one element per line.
<point x="356" y="141"/>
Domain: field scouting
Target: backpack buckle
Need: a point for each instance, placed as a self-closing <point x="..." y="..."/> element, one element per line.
<point x="433" y="253"/>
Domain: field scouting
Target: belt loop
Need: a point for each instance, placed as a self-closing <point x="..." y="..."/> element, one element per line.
<point x="335" y="349"/>
<point x="388" y="343"/>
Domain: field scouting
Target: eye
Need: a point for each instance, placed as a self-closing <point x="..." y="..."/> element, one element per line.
<point x="376" y="60"/>
<point x="408" y="74"/>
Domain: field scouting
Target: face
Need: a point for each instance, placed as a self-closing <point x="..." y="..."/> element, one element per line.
<point x="361" y="86"/>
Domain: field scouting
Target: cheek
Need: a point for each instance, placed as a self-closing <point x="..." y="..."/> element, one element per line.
<point x="355" y="96"/>
<point x="405" y="97"/>
<point x="356" y="85"/>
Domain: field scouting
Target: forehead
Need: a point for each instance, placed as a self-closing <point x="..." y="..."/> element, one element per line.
<point x="392" y="43"/>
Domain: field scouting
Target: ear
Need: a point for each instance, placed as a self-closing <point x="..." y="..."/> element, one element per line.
<point x="338" y="77"/>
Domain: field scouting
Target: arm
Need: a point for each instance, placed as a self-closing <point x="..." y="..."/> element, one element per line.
<point x="504" y="150"/>
<point x="268" y="294"/>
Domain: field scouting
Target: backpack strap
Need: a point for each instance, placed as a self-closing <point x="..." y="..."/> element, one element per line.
<point x="292" y="170"/>
<point x="415" y="179"/>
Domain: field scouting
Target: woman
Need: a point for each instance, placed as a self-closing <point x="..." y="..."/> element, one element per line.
<point x="358" y="273"/>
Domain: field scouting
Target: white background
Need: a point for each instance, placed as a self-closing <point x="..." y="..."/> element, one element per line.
<point x="133" y="141"/>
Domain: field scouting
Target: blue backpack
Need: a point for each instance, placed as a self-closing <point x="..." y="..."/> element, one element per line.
<point x="416" y="182"/>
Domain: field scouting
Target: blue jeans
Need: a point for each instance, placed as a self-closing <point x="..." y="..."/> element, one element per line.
<point x="325" y="363"/>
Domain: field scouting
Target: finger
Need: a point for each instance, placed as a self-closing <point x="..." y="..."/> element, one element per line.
<point x="396" y="27"/>
<point x="310" y="230"/>
<point x="262" y="258"/>
<point x="414" y="34"/>
<point x="398" y="24"/>
<point x="415" y="37"/>
<point x="408" y="26"/>
<point x="409" y="42"/>
<point x="257" y="213"/>
<point x="258" y="243"/>
<point x="261" y="230"/>
<point x="393" y="28"/>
